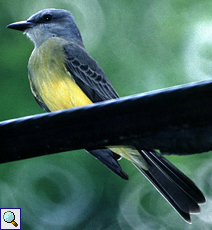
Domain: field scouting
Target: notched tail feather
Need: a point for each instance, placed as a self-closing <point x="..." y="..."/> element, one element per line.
<point x="175" y="186"/>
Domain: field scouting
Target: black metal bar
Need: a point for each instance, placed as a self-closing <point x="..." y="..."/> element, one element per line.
<point x="175" y="120"/>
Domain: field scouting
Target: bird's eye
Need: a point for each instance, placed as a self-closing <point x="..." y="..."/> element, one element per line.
<point x="47" y="17"/>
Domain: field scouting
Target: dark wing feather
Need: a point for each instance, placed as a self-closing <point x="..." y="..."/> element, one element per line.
<point x="80" y="72"/>
<point x="95" y="84"/>
<point x="88" y="74"/>
<point x="109" y="159"/>
<point x="177" y="188"/>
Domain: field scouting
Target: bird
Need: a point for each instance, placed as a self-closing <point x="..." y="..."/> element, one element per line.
<point x="62" y="75"/>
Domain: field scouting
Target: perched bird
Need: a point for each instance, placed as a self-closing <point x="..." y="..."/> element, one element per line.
<point x="63" y="75"/>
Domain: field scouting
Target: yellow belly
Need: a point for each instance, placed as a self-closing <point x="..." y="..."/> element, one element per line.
<point x="53" y="84"/>
<point x="64" y="94"/>
<point x="51" y="80"/>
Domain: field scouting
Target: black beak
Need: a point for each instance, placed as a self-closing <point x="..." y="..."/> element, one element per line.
<point x="22" y="26"/>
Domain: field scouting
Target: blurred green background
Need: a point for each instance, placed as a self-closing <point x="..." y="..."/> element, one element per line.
<point x="142" y="46"/>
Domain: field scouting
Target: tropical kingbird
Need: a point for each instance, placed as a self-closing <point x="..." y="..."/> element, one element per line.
<point x="63" y="75"/>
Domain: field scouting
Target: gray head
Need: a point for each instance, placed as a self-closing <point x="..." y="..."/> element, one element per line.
<point x="49" y="23"/>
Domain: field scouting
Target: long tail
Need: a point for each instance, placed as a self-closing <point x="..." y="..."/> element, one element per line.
<point x="175" y="186"/>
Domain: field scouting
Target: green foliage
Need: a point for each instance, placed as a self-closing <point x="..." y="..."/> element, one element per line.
<point x="142" y="46"/>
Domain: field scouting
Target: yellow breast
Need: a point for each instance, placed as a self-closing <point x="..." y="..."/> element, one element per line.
<point x="57" y="89"/>
<point x="50" y="78"/>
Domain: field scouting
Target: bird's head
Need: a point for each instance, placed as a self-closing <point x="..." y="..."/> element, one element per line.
<point x="49" y="23"/>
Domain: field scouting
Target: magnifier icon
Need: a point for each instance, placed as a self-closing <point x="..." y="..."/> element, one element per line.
<point x="9" y="217"/>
